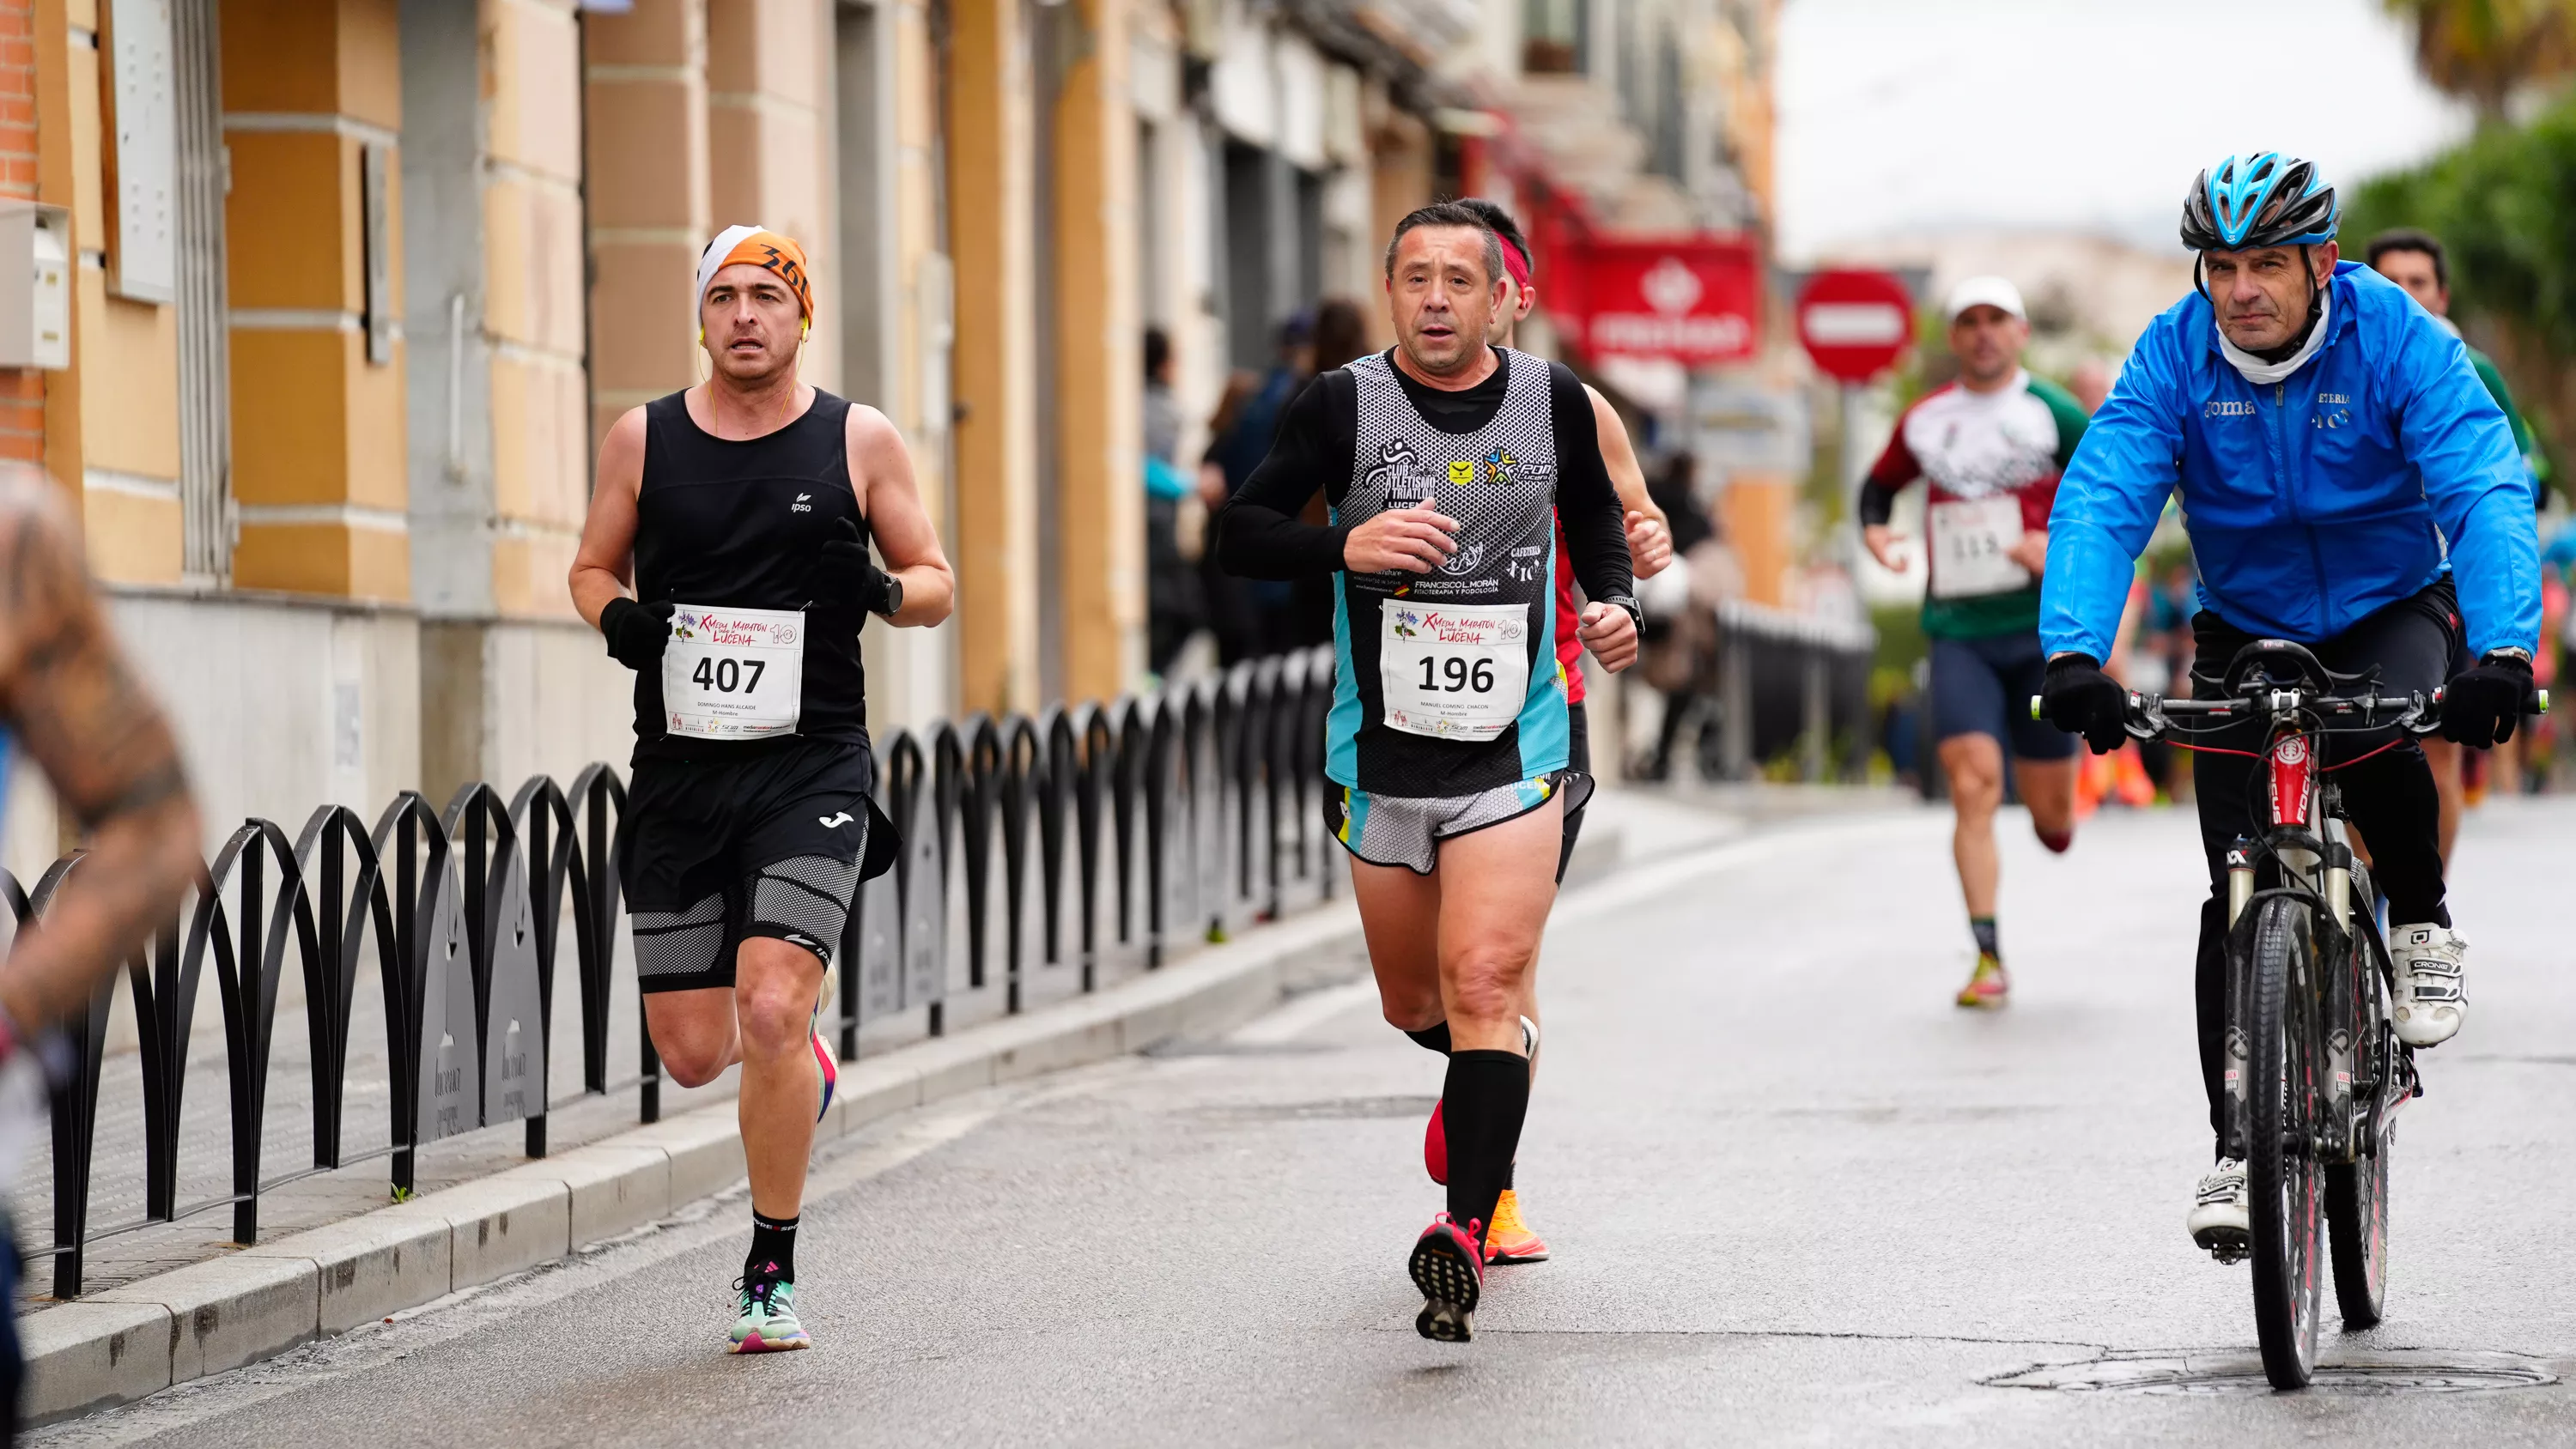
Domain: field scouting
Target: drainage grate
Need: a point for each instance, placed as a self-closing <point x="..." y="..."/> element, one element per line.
<point x="2241" y="1373"/>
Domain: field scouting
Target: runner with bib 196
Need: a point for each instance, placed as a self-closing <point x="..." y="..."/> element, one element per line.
<point x="740" y="509"/>
<point x="1447" y="462"/>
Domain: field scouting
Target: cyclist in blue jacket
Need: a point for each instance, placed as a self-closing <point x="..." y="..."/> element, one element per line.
<point x="2348" y="484"/>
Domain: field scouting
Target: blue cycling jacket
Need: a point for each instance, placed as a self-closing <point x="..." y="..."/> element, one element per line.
<point x="2311" y="502"/>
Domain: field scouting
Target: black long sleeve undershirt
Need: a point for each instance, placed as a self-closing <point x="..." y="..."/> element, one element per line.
<point x="1260" y="537"/>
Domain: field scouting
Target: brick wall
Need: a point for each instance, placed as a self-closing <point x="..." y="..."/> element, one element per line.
<point x="22" y="390"/>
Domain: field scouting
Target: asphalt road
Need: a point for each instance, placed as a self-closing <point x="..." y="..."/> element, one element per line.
<point x="1795" y="1196"/>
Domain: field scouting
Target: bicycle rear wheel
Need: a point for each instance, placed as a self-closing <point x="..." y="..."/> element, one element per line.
<point x="2281" y="1174"/>
<point x="2357" y="1191"/>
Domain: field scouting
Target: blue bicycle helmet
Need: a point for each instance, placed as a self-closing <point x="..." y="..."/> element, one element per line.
<point x="2266" y="200"/>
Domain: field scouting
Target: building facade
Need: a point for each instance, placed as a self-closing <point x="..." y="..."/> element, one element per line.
<point x="353" y="288"/>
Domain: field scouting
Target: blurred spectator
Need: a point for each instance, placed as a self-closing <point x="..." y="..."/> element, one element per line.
<point x="1171" y="586"/>
<point x="2091" y="383"/>
<point x="1251" y="616"/>
<point x="1341" y="336"/>
<point x="1680" y="658"/>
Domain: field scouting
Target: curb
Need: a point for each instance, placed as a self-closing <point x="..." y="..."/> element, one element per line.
<point x="125" y="1343"/>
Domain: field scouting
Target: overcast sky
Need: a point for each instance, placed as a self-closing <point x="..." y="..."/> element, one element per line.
<point x="1904" y="116"/>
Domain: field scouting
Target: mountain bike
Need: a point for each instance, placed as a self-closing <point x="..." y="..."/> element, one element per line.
<point x="2315" y="1075"/>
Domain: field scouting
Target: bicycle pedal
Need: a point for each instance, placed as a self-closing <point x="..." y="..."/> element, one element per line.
<point x="2228" y="1255"/>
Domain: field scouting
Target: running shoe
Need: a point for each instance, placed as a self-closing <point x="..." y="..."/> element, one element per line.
<point x="1449" y="1268"/>
<point x="767" y="1323"/>
<point x="825" y="1067"/>
<point x="1989" y="987"/>
<point x="2222" y="1212"/>
<point x="1510" y="1240"/>
<point x="2432" y="983"/>
<point x="1435" y="1135"/>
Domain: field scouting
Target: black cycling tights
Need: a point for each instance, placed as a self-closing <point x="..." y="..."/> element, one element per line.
<point x="2389" y="796"/>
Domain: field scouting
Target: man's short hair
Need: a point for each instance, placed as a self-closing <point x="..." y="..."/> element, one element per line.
<point x="2409" y="239"/>
<point x="1158" y="350"/>
<point x="1502" y="224"/>
<point x="1447" y="213"/>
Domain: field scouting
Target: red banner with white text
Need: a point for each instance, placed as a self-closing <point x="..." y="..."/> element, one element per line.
<point x="1692" y="300"/>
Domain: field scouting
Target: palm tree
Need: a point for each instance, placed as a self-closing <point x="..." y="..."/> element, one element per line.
<point x="2482" y="51"/>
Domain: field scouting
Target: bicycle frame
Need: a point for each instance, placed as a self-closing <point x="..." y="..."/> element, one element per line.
<point x="2309" y="844"/>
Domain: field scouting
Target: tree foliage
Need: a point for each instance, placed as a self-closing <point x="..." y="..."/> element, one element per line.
<point x="2504" y="204"/>
<point x="2482" y="51"/>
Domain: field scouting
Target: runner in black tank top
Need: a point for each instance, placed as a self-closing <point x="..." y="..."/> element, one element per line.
<point x="741" y="524"/>
<point x="742" y="510"/>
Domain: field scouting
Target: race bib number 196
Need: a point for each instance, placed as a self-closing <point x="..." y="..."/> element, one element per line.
<point x="1453" y="671"/>
<point x="733" y="674"/>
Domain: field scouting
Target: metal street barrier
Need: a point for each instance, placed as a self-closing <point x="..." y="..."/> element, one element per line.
<point x="1120" y="830"/>
<point x="1792" y="682"/>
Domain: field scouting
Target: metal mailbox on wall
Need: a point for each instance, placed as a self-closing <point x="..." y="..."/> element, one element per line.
<point x="35" y="286"/>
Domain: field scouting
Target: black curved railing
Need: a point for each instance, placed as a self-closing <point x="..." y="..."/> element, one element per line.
<point x="1144" y="822"/>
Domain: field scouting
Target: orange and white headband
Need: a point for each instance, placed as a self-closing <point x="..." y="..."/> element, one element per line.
<point x="771" y="251"/>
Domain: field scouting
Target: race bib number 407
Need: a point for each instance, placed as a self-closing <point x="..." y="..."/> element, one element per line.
<point x="1453" y="671"/>
<point x="733" y="674"/>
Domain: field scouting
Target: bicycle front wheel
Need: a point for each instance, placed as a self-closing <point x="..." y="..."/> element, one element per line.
<point x="2281" y="1172"/>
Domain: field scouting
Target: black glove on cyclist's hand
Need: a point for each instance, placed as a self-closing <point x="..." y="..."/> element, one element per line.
<point x="848" y="577"/>
<point x="636" y="632"/>
<point x="2081" y="700"/>
<point x="2481" y="706"/>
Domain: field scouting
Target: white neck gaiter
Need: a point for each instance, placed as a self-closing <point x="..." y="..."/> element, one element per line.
<point x="2262" y="373"/>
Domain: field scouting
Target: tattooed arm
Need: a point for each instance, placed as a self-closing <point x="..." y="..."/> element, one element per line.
<point x="103" y="744"/>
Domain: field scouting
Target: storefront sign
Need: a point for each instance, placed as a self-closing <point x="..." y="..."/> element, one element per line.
<point x="1691" y="300"/>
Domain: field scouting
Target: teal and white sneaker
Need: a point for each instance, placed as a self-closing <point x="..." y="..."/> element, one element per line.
<point x="768" y="1322"/>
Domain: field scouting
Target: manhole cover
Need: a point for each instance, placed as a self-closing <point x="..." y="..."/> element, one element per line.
<point x="2389" y="1373"/>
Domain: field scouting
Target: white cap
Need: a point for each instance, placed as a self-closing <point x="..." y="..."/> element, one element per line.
<point x="1992" y="292"/>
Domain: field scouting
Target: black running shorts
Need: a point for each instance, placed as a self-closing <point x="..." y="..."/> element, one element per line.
<point x="714" y="852"/>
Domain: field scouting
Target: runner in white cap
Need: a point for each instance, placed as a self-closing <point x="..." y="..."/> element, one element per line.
<point x="741" y="510"/>
<point x="1990" y="446"/>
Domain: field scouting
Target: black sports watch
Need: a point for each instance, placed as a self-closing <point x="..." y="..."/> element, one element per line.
<point x="1636" y="615"/>
<point x="893" y="596"/>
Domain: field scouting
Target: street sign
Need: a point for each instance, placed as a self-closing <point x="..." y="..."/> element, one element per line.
<point x="1855" y="324"/>
<point x="1689" y="299"/>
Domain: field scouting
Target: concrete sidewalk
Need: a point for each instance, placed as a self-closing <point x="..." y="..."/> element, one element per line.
<point x="485" y="1212"/>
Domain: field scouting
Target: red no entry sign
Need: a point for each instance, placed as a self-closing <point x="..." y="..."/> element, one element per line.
<point x="1855" y="324"/>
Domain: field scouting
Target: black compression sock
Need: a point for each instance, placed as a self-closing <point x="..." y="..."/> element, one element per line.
<point x="1432" y="1038"/>
<point x="773" y="1250"/>
<point x="1983" y="928"/>
<point x="1486" y="1097"/>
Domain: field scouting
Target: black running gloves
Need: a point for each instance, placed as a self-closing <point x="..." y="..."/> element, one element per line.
<point x="2080" y="699"/>
<point x="2480" y="706"/>
<point x="849" y="577"/>
<point x="636" y="632"/>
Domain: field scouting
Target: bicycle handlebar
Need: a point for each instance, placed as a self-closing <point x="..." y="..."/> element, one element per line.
<point x="2148" y="715"/>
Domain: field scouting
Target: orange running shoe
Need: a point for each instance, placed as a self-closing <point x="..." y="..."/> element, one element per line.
<point x="1989" y="988"/>
<point x="1510" y="1240"/>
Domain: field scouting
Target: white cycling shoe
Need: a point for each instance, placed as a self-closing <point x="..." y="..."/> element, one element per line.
<point x="2432" y="984"/>
<point x="2222" y="1212"/>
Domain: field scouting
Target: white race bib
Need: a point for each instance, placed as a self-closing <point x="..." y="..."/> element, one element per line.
<point x="1968" y="543"/>
<point x="733" y="674"/>
<point x="1453" y="671"/>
